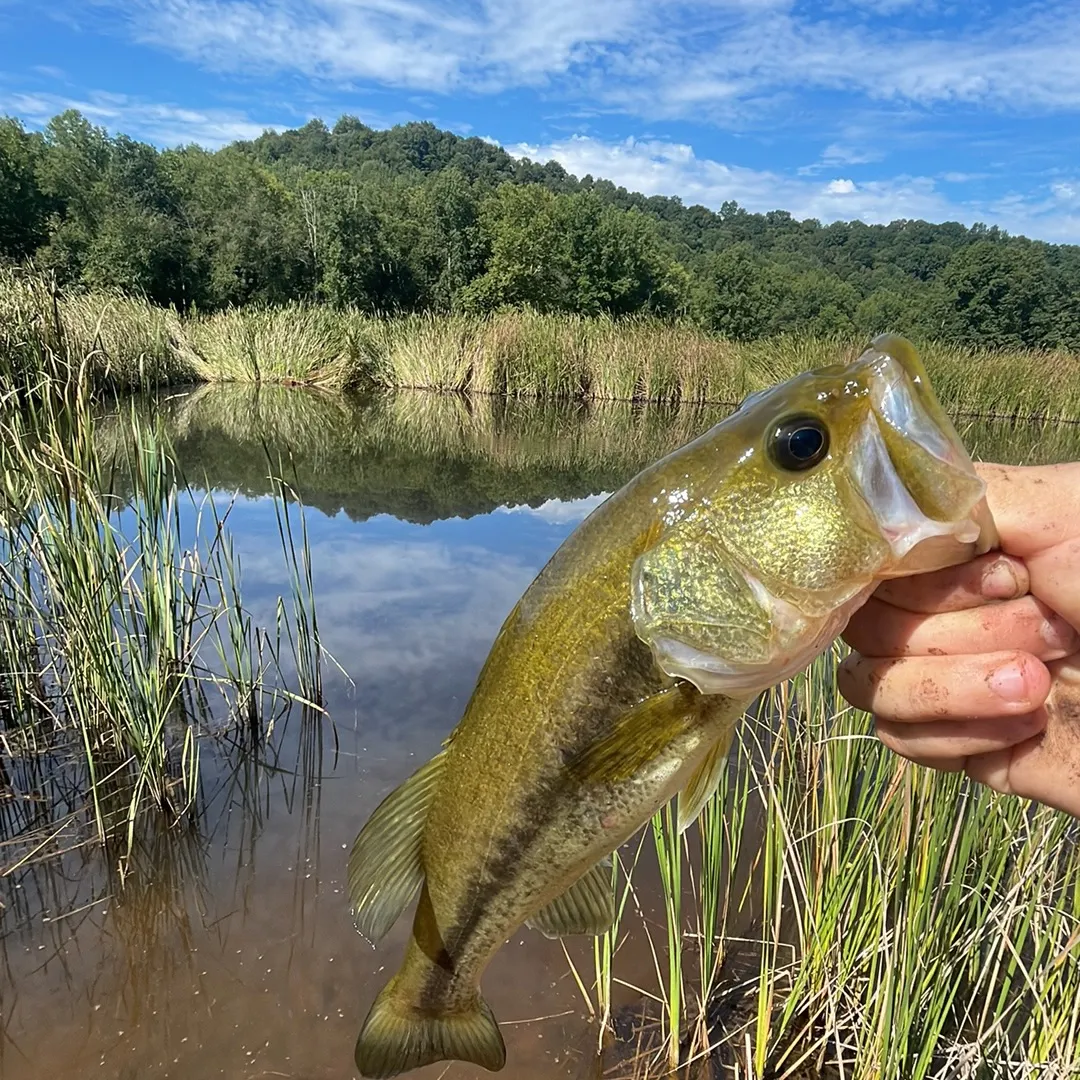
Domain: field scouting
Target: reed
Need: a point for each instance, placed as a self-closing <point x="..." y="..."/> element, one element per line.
<point x="123" y="638"/>
<point x="907" y="923"/>
<point x="297" y="343"/>
<point x="123" y="342"/>
<point x="107" y="339"/>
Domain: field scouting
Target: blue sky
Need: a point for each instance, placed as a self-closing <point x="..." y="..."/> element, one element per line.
<point x="835" y="109"/>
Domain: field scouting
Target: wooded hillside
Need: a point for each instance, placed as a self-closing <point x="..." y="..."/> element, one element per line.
<point x="414" y="218"/>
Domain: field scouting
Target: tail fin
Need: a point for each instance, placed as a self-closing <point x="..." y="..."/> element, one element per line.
<point x="397" y="1037"/>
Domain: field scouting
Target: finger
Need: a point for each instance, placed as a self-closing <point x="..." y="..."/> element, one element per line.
<point x="1045" y="767"/>
<point x="1034" y="507"/>
<point x="947" y="744"/>
<point x="1026" y="625"/>
<point x="993" y="576"/>
<point x="919" y="689"/>
<point x="1037" y="513"/>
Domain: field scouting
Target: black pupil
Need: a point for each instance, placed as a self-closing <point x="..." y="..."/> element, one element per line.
<point x="804" y="443"/>
<point x="799" y="443"/>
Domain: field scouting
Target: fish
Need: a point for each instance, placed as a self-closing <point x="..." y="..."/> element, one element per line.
<point x="617" y="681"/>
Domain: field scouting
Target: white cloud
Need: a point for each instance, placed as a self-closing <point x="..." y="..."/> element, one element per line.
<point x="165" y="124"/>
<point x="656" y="167"/>
<point x="425" y="44"/>
<point x="415" y="608"/>
<point x="559" y="511"/>
<point x="1066" y="191"/>
<point x="699" y="58"/>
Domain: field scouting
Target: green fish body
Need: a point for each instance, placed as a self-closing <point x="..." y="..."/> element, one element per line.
<point x="616" y="682"/>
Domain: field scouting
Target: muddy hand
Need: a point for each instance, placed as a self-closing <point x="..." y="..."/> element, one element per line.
<point x="977" y="668"/>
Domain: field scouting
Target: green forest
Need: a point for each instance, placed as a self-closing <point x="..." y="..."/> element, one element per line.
<point x="418" y="219"/>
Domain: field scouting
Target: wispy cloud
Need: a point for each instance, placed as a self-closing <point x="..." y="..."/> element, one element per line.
<point x="653" y="57"/>
<point x="423" y="44"/>
<point x="165" y="124"/>
<point x="656" y="167"/>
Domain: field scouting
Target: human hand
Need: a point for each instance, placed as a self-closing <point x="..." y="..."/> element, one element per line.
<point x="977" y="667"/>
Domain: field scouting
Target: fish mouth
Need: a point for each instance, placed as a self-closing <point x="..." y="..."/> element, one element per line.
<point x="912" y="469"/>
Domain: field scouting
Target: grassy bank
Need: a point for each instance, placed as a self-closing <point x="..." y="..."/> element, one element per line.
<point x="122" y="342"/>
<point x="123" y="634"/>
<point x="841" y="913"/>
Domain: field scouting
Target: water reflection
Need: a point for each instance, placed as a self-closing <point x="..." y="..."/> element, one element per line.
<point x="229" y="950"/>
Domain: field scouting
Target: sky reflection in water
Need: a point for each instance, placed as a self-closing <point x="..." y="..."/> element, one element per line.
<point x="231" y="953"/>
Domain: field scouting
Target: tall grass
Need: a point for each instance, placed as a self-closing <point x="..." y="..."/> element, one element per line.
<point x="107" y="339"/>
<point x="906" y="923"/>
<point x="125" y="342"/>
<point x="123" y="636"/>
<point x="295" y="343"/>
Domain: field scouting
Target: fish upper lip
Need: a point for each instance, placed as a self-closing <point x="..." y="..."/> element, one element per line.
<point x="896" y="402"/>
<point x="901" y="521"/>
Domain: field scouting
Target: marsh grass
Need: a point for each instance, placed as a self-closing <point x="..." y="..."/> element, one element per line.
<point x="120" y="341"/>
<point x="123" y="637"/>
<point x="299" y="343"/>
<point x="106" y="339"/>
<point x="907" y="923"/>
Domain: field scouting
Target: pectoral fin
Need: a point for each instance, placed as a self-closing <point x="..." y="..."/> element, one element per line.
<point x="641" y="735"/>
<point x="587" y="907"/>
<point x="385" y="871"/>
<point x="705" y="781"/>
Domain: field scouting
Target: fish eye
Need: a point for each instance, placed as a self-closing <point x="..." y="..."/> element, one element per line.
<point x="798" y="443"/>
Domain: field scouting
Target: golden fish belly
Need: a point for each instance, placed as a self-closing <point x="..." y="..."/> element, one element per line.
<point x="556" y="834"/>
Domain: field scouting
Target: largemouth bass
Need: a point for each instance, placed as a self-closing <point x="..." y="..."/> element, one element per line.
<point x="616" y="682"/>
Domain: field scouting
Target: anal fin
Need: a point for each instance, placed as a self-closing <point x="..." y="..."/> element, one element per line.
<point x="587" y="907"/>
<point x="705" y="780"/>
<point x="385" y="870"/>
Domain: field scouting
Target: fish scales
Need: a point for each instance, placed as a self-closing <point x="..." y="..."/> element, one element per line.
<point x="616" y="682"/>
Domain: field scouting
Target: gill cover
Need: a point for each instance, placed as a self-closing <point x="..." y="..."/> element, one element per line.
<point x="838" y="479"/>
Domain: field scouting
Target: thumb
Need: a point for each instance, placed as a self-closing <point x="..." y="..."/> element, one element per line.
<point x="1037" y="513"/>
<point x="1035" y="507"/>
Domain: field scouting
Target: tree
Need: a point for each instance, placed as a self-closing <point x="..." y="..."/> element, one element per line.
<point x="891" y="310"/>
<point x="246" y="229"/>
<point x="736" y="293"/>
<point x="524" y="263"/>
<point x="570" y="253"/>
<point x="24" y="206"/>
<point x="449" y="249"/>
<point x="1001" y="295"/>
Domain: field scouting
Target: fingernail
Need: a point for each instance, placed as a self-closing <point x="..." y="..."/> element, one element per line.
<point x="1008" y="682"/>
<point x="1058" y="634"/>
<point x="999" y="582"/>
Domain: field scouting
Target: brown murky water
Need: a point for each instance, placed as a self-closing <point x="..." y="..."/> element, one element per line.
<point x="229" y="951"/>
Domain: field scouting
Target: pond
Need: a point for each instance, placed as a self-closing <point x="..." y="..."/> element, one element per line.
<point x="230" y="950"/>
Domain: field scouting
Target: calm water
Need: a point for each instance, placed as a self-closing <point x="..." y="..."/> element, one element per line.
<point x="230" y="951"/>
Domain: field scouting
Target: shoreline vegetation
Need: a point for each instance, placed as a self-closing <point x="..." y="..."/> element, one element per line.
<point x="124" y="638"/>
<point x="117" y="342"/>
<point x="837" y="912"/>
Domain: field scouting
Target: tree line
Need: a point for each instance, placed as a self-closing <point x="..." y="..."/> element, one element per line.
<point x="418" y="219"/>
